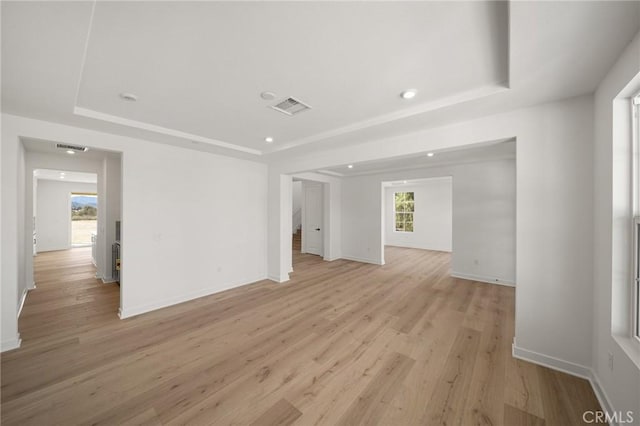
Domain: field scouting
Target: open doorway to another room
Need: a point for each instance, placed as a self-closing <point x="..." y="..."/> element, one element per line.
<point x="73" y="206"/>
<point x="418" y="213"/>
<point x="308" y="222"/>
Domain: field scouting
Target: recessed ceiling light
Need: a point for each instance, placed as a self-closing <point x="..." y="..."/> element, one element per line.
<point x="268" y="96"/>
<point x="61" y="177"/>
<point x="350" y="166"/>
<point x="430" y="154"/>
<point x="404" y="181"/>
<point x="70" y="152"/>
<point x="128" y="97"/>
<point x="409" y="94"/>
<point x="62" y="173"/>
<point x="268" y="139"/>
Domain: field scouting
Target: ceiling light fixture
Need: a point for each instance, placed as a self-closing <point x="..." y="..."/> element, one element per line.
<point x="350" y="166"/>
<point x="430" y="154"/>
<point x="268" y="139"/>
<point x="409" y="94"/>
<point x="268" y="96"/>
<point x="404" y="181"/>
<point x="70" y="152"/>
<point x="128" y="97"/>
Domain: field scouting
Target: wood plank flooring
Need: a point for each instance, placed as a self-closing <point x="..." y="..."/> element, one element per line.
<point x="342" y="343"/>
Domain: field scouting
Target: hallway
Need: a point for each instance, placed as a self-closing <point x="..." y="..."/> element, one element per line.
<point x="68" y="299"/>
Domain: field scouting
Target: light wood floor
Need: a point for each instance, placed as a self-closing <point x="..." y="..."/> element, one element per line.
<point x="342" y="343"/>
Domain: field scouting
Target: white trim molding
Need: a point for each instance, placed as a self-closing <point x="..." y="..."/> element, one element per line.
<point x="551" y="362"/>
<point x="97" y="115"/>
<point x="282" y="279"/>
<point x="483" y="279"/>
<point x="10" y="344"/>
<point x="568" y="367"/>
<point x="106" y="280"/>
<point x="603" y="398"/>
<point x="331" y="259"/>
<point x="362" y="260"/>
<point x="24" y="298"/>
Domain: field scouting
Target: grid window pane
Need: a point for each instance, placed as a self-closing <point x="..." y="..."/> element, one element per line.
<point x="404" y="207"/>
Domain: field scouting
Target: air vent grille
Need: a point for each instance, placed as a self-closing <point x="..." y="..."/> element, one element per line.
<point x="72" y="147"/>
<point x="291" y="106"/>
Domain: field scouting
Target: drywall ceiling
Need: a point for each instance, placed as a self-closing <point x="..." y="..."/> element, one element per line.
<point x="198" y="68"/>
<point x="495" y="150"/>
<point x="65" y="176"/>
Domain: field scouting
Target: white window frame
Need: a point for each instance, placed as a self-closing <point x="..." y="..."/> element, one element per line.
<point x="413" y="213"/>
<point x="635" y="290"/>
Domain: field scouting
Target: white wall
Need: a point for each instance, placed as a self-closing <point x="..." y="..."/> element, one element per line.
<point x="178" y="243"/>
<point x="296" y="191"/>
<point x="111" y="208"/>
<point x="432" y="218"/>
<point x="612" y="236"/>
<point x="40" y="160"/>
<point x="483" y="231"/>
<point x="34" y="197"/>
<point x="280" y="225"/>
<point x="53" y="217"/>
<point x="24" y="248"/>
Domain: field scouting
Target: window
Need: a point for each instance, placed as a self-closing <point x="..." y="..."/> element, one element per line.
<point x="403" y="210"/>
<point x="635" y="294"/>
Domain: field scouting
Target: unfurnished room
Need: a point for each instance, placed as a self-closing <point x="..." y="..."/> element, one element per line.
<point x="320" y="213"/>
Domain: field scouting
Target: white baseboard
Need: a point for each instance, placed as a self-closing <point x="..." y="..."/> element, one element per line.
<point x="569" y="368"/>
<point x="107" y="280"/>
<point x="7" y="345"/>
<point x="551" y="362"/>
<point x="128" y="312"/>
<point x="417" y="246"/>
<point x="277" y="279"/>
<point x="362" y="259"/>
<point x="25" y="292"/>
<point x="480" y="278"/>
<point x="331" y="259"/>
<point x="602" y="396"/>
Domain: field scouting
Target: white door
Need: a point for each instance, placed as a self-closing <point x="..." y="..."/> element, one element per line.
<point x="313" y="232"/>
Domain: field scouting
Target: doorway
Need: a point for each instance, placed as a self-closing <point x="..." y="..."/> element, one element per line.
<point x="73" y="208"/>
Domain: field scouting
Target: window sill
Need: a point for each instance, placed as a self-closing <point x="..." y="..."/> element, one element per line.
<point x="629" y="346"/>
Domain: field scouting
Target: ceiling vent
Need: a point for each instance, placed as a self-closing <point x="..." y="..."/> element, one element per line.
<point x="291" y="106"/>
<point x="72" y="147"/>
